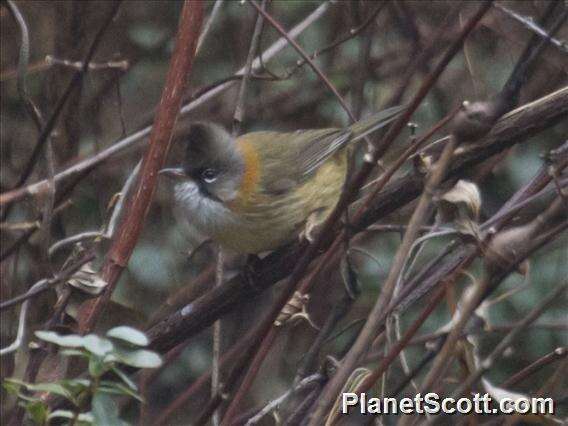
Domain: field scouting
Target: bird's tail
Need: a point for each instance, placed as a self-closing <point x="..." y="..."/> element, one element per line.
<point x="375" y="122"/>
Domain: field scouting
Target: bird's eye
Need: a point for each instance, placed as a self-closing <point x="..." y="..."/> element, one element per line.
<point x="209" y="175"/>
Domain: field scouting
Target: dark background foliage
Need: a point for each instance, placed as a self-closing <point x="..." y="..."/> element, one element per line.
<point x="368" y="70"/>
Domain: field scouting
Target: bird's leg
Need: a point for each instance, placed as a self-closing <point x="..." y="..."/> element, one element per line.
<point x="250" y="271"/>
<point x="313" y="225"/>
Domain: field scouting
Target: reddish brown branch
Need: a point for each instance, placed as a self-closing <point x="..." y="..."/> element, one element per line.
<point x="160" y="139"/>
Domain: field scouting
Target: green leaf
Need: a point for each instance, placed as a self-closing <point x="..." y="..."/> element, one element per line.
<point x="75" y="386"/>
<point x="128" y="334"/>
<point x="97" y="367"/>
<point x="11" y="386"/>
<point x="38" y="412"/>
<point x="117" y="388"/>
<point x="73" y="352"/>
<point x="86" y="418"/>
<point x="140" y="358"/>
<point x="68" y="341"/>
<point x="54" y="388"/>
<point x="105" y="410"/>
<point x="97" y="345"/>
<point x="124" y="377"/>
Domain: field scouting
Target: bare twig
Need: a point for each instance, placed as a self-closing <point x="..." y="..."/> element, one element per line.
<point x="402" y="342"/>
<point x="121" y="65"/>
<point x="22" y="321"/>
<point x="217" y="330"/>
<point x="112" y="223"/>
<point x="23" y="61"/>
<point x="45" y="283"/>
<point x="555" y="355"/>
<point x="275" y="403"/>
<point x="88" y="235"/>
<point x="209" y="24"/>
<point x="531" y="25"/>
<point x="239" y="114"/>
<point x="330" y="47"/>
<point x="36" y="116"/>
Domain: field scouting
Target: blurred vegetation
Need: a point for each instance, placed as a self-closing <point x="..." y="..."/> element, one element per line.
<point x="368" y="71"/>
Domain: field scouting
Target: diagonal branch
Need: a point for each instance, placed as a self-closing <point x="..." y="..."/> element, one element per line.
<point x="137" y="209"/>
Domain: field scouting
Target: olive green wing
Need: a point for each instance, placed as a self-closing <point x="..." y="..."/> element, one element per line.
<point x="319" y="145"/>
<point x="288" y="159"/>
<point x="293" y="157"/>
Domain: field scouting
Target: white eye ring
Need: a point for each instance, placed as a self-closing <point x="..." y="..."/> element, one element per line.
<point x="209" y="175"/>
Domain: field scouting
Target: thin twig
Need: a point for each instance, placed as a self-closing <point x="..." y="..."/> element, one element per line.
<point x="22" y="321"/>
<point x="239" y="114"/>
<point x="531" y="25"/>
<point x="555" y="355"/>
<point x="402" y="342"/>
<point x="209" y="24"/>
<point x="46" y="283"/>
<point x="217" y="330"/>
<point x="112" y="223"/>
<point x="275" y="403"/>
<point x="37" y="118"/>
<point x="23" y="61"/>
<point x="88" y="235"/>
<point x="121" y="65"/>
<point x="330" y="47"/>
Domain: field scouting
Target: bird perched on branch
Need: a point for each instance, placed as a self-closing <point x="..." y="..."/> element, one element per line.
<point x="261" y="190"/>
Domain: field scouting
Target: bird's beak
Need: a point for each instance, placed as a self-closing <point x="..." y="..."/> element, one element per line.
<point x="174" y="173"/>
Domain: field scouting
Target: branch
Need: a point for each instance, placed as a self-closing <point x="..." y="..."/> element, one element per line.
<point x="137" y="209"/>
<point x="531" y="25"/>
<point x="557" y="354"/>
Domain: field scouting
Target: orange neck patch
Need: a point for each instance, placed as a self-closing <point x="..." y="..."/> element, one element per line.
<point x="251" y="173"/>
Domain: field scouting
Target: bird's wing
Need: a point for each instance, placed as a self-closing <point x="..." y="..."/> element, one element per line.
<point x="319" y="145"/>
<point x="293" y="157"/>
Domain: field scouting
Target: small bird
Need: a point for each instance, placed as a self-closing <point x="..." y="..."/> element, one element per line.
<point x="261" y="190"/>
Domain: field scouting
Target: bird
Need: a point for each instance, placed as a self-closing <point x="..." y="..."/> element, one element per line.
<point x="259" y="191"/>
